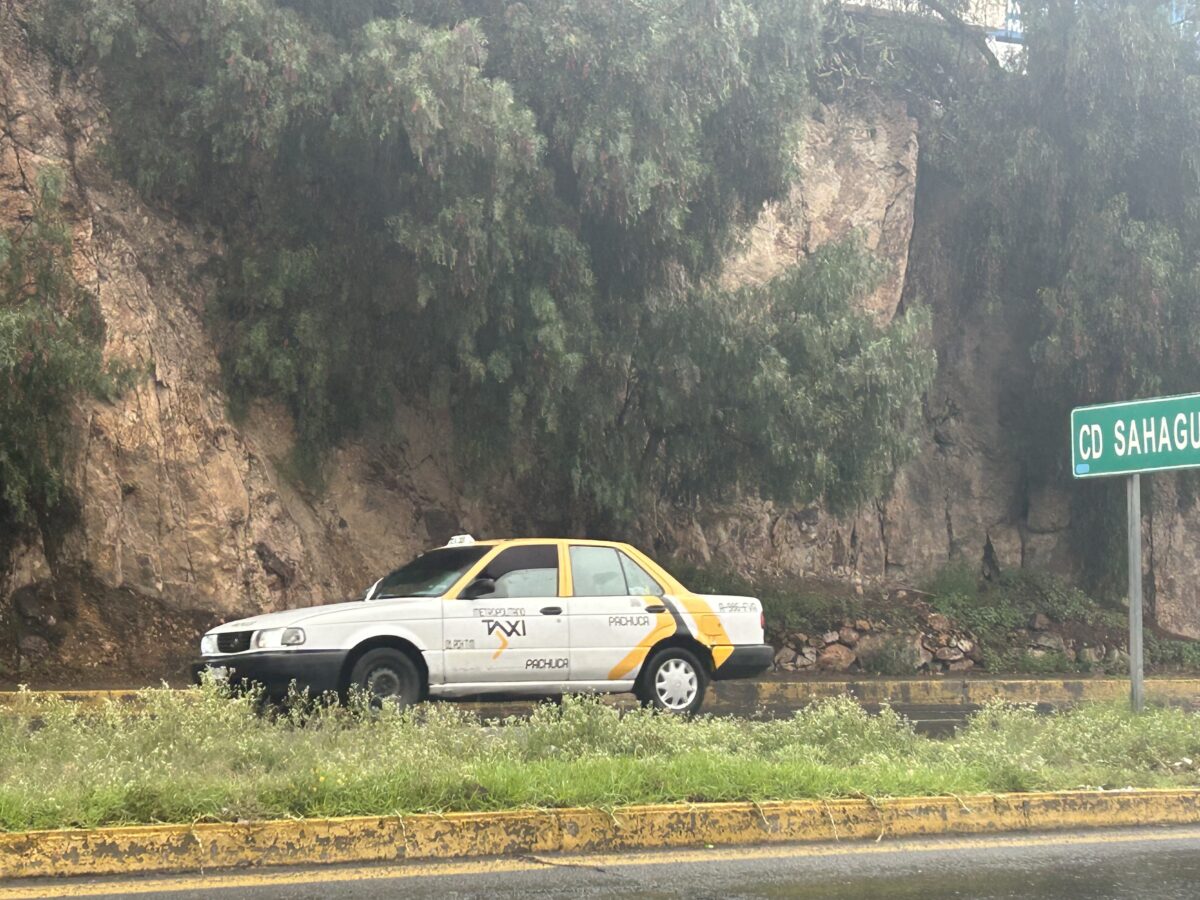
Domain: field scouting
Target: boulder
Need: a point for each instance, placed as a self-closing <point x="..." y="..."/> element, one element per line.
<point x="797" y="640"/>
<point x="1091" y="655"/>
<point x="962" y="665"/>
<point x="862" y="625"/>
<point x="948" y="654"/>
<point x="830" y="637"/>
<point x="836" y="658"/>
<point x="806" y="658"/>
<point x="1040" y="622"/>
<point x="785" y="657"/>
<point x="848" y="636"/>
<point x="1046" y="640"/>
<point x="937" y="622"/>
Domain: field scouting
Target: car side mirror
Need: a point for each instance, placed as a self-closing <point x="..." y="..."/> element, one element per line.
<point x="478" y="588"/>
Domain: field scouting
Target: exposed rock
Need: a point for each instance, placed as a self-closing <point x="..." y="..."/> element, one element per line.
<point x="1092" y="655"/>
<point x="948" y="654"/>
<point x="938" y="622"/>
<point x="1049" y="511"/>
<point x="806" y="658"/>
<point x="36" y="604"/>
<point x="785" y="657"/>
<point x="177" y="502"/>
<point x="1045" y="640"/>
<point x="962" y="665"/>
<point x="862" y="625"/>
<point x="34" y="647"/>
<point x="836" y="658"/>
<point x="859" y="165"/>
<point x="905" y="650"/>
<point x="1040" y="622"/>
<point x="830" y="637"/>
<point x="966" y="645"/>
<point x="797" y="641"/>
<point x="848" y="636"/>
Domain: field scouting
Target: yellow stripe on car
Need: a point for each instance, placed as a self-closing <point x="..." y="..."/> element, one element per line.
<point x="664" y="628"/>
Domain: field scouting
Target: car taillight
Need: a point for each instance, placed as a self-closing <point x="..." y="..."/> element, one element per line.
<point x="762" y="620"/>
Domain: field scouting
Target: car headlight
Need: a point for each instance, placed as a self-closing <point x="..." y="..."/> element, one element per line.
<point x="208" y="645"/>
<point x="278" y="637"/>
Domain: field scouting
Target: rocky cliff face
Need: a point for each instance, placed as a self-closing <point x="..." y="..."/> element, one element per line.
<point x="182" y="508"/>
<point x="187" y="516"/>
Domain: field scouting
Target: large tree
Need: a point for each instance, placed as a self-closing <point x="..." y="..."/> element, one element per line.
<point x="516" y="210"/>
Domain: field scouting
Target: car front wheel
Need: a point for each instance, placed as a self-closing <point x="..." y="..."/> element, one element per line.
<point x="387" y="676"/>
<point x="674" y="680"/>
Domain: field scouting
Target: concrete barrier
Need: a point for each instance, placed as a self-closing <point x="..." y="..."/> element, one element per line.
<point x="188" y="848"/>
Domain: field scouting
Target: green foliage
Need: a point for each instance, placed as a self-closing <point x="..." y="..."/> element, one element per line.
<point x="50" y="340"/>
<point x="991" y="610"/>
<point x="516" y="212"/>
<point x="1081" y="175"/>
<point x="215" y="759"/>
<point x="1166" y="653"/>
<point x="894" y="657"/>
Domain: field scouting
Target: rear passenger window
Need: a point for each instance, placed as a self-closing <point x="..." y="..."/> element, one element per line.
<point x="597" y="572"/>
<point x="639" y="582"/>
<point x="524" y="572"/>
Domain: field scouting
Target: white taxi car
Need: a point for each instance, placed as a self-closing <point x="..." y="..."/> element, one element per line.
<point x="530" y="616"/>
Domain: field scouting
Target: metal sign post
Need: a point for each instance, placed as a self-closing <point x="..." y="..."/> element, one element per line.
<point x="1129" y="439"/>
<point x="1133" y="489"/>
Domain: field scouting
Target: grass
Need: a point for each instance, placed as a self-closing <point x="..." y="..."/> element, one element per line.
<point x="205" y="757"/>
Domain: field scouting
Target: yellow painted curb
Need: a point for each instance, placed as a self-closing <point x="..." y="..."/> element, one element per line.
<point x="183" y="848"/>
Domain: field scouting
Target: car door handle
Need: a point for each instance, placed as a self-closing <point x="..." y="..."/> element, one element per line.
<point x="551" y="610"/>
<point x="656" y="608"/>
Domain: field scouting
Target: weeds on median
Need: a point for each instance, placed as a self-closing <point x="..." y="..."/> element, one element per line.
<point x="203" y="756"/>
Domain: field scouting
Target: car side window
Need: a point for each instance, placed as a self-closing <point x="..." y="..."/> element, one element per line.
<point x="640" y="582"/>
<point x="524" y="572"/>
<point x="597" y="572"/>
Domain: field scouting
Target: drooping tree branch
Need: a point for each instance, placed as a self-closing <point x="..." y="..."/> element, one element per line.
<point x="971" y="32"/>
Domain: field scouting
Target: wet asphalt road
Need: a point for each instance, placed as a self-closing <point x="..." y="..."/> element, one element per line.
<point x="1146" y="864"/>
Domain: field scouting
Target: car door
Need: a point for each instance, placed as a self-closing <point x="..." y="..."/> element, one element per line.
<point x="616" y="613"/>
<point x="517" y="632"/>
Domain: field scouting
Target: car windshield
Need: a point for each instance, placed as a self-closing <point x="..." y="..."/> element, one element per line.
<point x="431" y="574"/>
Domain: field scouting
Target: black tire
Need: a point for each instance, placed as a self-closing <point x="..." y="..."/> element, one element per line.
<point x="387" y="676"/>
<point x="674" y="681"/>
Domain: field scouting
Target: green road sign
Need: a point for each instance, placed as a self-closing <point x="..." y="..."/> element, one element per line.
<point x="1138" y="436"/>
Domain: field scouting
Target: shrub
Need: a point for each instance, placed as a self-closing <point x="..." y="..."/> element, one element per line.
<point x="50" y="340"/>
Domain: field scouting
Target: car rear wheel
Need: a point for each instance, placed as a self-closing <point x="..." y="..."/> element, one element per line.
<point x="674" y="681"/>
<point x="387" y="676"/>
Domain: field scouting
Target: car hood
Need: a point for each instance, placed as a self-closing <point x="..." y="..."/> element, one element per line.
<point x="288" y="617"/>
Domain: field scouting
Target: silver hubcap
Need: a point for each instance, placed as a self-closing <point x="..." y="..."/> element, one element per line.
<point x="383" y="683"/>
<point x="675" y="684"/>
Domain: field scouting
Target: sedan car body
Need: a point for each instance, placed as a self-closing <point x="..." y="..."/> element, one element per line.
<point x="538" y="616"/>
